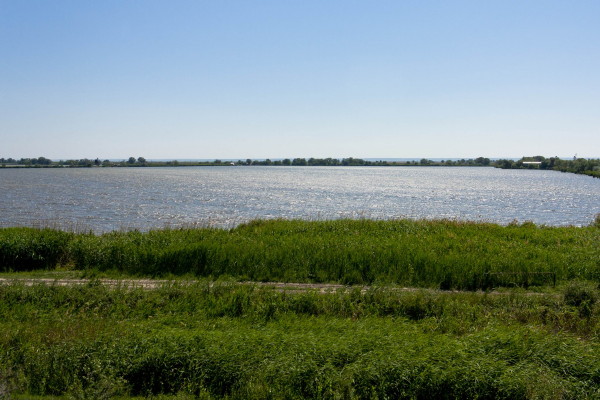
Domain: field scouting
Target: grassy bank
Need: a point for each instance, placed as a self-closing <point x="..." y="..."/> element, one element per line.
<point x="434" y="254"/>
<point x="224" y="339"/>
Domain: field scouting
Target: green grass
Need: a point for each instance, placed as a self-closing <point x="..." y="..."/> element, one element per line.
<point x="436" y="254"/>
<point x="243" y="341"/>
<point x="223" y="339"/>
<point x="26" y="249"/>
<point x="528" y="339"/>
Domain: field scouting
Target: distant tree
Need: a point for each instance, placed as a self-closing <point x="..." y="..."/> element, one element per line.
<point x="141" y="160"/>
<point x="248" y="161"/>
<point x="43" y="161"/>
<point x="482" y="161"/>
<point x="131" y="160"/>
<point x="97" y="162"/>
<point x="505" y="164"/>
<point x="579" y="165"/>
<point x="299" y="161"/>
<point x="286" y="161"/>
<point x="353" y="161"/>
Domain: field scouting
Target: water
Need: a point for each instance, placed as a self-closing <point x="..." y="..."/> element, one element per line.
<point x="104" y="199"/>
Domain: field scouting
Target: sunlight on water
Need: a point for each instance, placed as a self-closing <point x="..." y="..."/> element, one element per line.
<point x="103" y="199"/>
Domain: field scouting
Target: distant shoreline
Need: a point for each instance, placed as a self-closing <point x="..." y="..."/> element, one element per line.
<point x="590" y="167"/>
<point x="143" y="162"/>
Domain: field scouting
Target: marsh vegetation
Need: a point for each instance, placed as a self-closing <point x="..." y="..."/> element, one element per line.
<point x="212" y="340"/>
<point x="508" y="333"/>
<point x="442" y="254"/>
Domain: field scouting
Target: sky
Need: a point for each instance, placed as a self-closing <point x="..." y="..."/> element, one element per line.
<point x="299" y="78"/>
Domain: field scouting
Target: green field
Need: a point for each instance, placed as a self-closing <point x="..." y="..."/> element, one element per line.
<point x="492" y="312"/>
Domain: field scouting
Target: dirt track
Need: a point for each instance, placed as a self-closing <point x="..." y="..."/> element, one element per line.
<point x="155" y="283"/>
<point x="279" y="286"/>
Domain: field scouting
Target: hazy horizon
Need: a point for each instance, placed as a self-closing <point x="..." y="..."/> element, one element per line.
<point x="236" y="80"/>
<point x="226" y="159"/>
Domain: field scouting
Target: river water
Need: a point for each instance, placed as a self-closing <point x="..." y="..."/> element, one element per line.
<point x="104" y="199"/>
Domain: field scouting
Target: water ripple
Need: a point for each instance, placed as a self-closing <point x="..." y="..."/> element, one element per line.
<point x="103" y="199"/>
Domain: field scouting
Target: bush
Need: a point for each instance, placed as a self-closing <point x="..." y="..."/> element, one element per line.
<point x="596" y="222"/>
<point x="581" y="295"/>
<point x="578" y="293"/>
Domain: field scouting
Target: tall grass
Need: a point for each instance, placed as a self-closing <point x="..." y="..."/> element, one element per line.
<point x="443" y="254"/>
<point x="29" y="249"/>
<point x="216" y="340"/>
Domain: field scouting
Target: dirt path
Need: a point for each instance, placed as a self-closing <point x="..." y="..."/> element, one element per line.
<point x="279" y="286"/>
<point x="157" y="283"/>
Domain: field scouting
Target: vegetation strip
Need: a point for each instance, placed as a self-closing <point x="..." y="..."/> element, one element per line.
<point x="434" y="254"/>
<point x="221" y="339"/>
<point x="584" y="166"/>
<point x="201" y="334"/>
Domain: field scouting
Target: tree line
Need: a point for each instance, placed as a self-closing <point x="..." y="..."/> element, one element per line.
<point x="576" y="165"/>
<point x="141" y="161"/>
<point x="585" y="166"/>
<point x="83" y="162"/>
<point x="351" y="161"/>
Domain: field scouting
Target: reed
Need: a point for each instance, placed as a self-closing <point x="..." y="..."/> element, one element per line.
<point x="25" y="249"/>
<point x="436" y="254"/>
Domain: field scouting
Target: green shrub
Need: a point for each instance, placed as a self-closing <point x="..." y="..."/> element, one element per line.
<point x="596" y="222"/>
<point x="577" y="293"/>
<point x="581" y="295"/>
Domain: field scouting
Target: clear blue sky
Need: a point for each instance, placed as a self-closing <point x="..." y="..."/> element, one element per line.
<point x="299" y="78"/>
